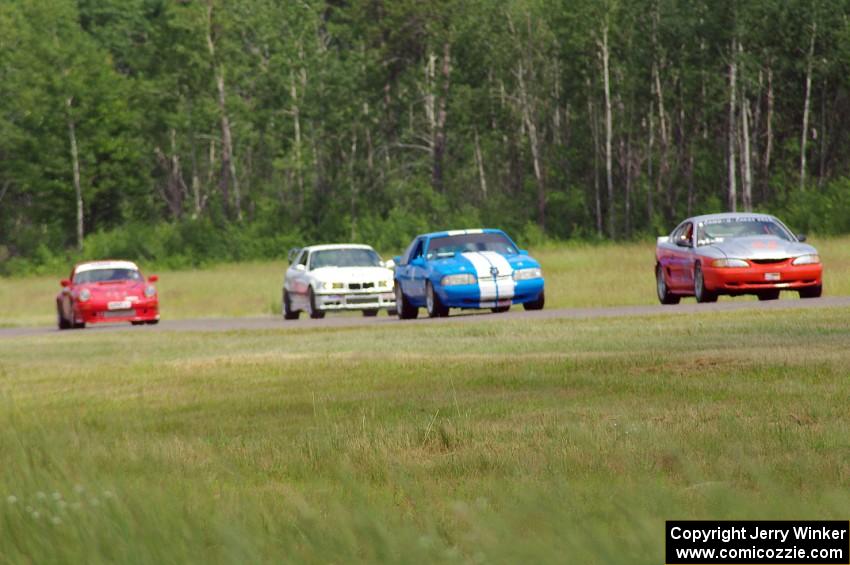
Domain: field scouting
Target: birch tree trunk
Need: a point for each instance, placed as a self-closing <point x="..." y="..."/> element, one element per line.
<point x="75" y="164"/>
<point x="228" y="161"/>
<point x="296" y="126"/>
<point x="603" y="46"/>
<point x="806" y="102"/>
<point x="747" y="176"/>
<point x="594" y="131"/>
<point x="479" y="161"/>
<point x="768" y="149"/>
<point x="732" y="195"/>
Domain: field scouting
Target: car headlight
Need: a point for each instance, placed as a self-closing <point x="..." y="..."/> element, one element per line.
<point x="729" y="263"/>
<point x="812" y="259"/>
<point x="454" y="280"/>
<point x="150" y="291"/>
<point x="525" y="274"/>
<point x="384" y="284"/>
<point x="84" y="295"/>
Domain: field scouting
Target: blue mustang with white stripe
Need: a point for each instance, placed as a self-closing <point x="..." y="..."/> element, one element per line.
<point x="466" y="269"/>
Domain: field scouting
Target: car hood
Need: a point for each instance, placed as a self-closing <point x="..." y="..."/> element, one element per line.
<point x="762" y="248"/>
<point x="117" y="290"/>
<point x="351" y="274"/>
<point x="480" y="263"/>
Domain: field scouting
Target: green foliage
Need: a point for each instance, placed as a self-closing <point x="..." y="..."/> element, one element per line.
<point x="381" y="120"/>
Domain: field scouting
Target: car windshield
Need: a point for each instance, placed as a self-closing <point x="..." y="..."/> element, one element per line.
<point x="447" y="246"/>
<point x="715" y="231"/>
<point x="344" y="258"/>
<point x="107" y="275"/>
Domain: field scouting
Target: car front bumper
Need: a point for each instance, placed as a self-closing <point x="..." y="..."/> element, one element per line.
<point x="469" y="295"/>
<point x="97" y="312"/>
<point x="355" y="301"/>
<point x="773" y="276"/>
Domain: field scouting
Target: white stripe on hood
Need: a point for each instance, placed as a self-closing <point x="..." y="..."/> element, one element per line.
<point x="492" y="288"/>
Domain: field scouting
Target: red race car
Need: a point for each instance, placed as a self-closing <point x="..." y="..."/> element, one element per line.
<point x="106" y="291"/>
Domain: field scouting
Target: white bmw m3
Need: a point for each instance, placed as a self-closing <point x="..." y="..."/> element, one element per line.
<point x="322" y="278"/>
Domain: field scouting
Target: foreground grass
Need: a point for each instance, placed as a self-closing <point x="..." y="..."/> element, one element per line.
<point x="560" y="441"/>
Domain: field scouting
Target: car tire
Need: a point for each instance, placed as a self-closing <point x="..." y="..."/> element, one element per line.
<point x="134" y="323"/>
<point x="404" y="309"/>
<point x="78" y="325"/>
<point x="500" y="309"/>
<point x="314" y="312"/>
<point x="288" y="312"/>
<point x="811" y="292"/>
<point x="370" y="313"/>
<point x="152" y="322"/>
<point x="392" y="312"/>
<point x="537" y="303"/>
<point x="768" y="295"/>
<point x="433" y="305"/>
<point x="702" y="294"/>
<point x="61" y="322"/>
<point x="664" y="294"/>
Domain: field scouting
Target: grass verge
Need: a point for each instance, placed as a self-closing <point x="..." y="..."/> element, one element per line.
<point x="556" y="441"/>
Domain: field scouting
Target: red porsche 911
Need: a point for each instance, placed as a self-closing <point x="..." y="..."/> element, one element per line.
<point x="106" y="291"/>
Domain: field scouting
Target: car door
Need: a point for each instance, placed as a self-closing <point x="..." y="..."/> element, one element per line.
<point x="409" y="270"/>
<point x="296" y="276"/>
<point x="682" y="257"/>
<point x="66" y="303"/>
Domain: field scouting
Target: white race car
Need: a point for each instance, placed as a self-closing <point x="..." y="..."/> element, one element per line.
<point x="337" y="277"/>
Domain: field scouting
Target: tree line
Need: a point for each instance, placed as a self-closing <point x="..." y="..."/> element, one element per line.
<point x="371" y="120"/>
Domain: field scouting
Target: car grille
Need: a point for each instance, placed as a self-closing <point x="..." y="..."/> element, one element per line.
<point x="768" y="261"/>
<point x="119" y="313"/>
<point x="359" y="286"/>
<point x="362" y="299"/>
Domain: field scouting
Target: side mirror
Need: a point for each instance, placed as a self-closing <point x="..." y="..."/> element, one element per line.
<point x="418" y="262"/>
<point x="801" y="237"/>
<point x="300" y="267"/>
<point x="683" y="243"/>
<point x="389" y="264"/>
<point x="397" y="260"/>
<point x="153" y="278"/>
<point x="523" y="251"/>
<point x="65" y="283"/>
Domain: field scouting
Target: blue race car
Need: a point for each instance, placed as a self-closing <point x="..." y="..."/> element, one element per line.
<point x="465" y="269"/>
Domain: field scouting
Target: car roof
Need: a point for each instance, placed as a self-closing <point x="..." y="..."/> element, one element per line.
<point x="328" y="246"/>
<point x="109" y="264"/>
<point x="730" y="216"/>
<point x="460" y="232"/>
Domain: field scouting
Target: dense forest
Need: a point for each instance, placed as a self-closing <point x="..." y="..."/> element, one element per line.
<point x="224" y="129"/>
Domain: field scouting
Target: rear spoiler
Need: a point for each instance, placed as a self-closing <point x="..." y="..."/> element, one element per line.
<point x="293" y="253"/>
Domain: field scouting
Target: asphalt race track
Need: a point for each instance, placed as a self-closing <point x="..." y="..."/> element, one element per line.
<point x="516" y="313"/>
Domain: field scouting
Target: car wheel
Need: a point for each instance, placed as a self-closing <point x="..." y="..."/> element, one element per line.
<point x="701" y="293"/>
<point x="152" y="322"/>
<point x="61" y="322"/>
<point x="78" y="325"/>
<point x="312" y="310"/>
<point x="433" y="304"/>
<point x="811" y="292"/>
<point x="370" y="313"/>
<point x="536" y="304"/>
<point x="137" y="323"/>
<point x="768" y="295"/>
<point x="664" y="294"/>
<point x="500" y="309"/>
<point x="404" y="309"/>
<point x="288" y="312"/>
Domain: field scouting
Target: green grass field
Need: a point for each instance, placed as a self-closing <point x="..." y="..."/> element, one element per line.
<point x="577" y="275"/>
<point x="487" y="442"/>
